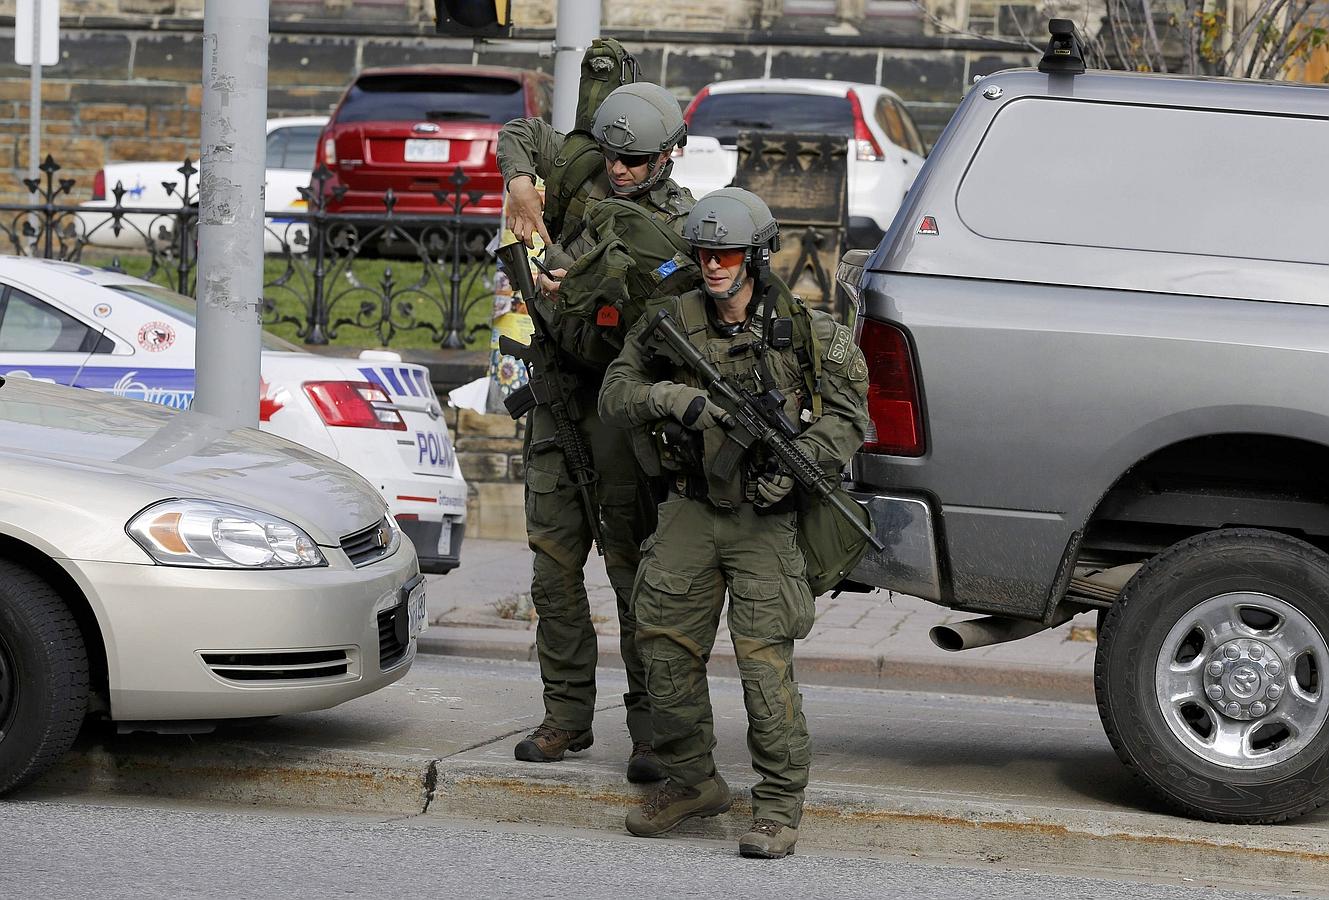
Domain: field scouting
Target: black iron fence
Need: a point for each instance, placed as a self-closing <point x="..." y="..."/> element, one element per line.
<point x="387" y="273"/>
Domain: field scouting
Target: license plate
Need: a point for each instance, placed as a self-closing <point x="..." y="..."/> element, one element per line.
<point x="416" y="610"/>
<point x="445" y="538"/>
<point x="426" y="150"/>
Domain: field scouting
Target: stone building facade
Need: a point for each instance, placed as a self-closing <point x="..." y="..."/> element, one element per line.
<point x="127" y="86"/>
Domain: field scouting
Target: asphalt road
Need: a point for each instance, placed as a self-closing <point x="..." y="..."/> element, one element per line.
<point x="85" y="847"/>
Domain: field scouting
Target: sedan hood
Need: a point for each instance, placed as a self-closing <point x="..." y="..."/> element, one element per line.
<point x="128" y="454"/>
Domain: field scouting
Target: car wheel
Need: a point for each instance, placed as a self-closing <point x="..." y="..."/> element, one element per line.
<point x="43" y="676"/>
<point x="1211" y="676"/>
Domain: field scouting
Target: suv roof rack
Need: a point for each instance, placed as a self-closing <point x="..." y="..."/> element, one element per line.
<point x="1065" y="52"/>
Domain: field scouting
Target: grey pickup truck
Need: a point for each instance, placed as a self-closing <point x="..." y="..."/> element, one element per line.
<point x="1099" y="351"/>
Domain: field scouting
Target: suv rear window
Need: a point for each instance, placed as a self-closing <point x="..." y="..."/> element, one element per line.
<point x="423" y="98"/>
<point x="723" y="116"/>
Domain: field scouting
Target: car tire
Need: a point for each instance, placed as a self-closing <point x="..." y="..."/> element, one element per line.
<point x="1212" y="676"/>
<point x="43" y="676"/>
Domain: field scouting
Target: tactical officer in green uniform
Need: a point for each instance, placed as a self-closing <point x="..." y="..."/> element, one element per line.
<point x="635" y="129"/>
<point x="741" y="535"/>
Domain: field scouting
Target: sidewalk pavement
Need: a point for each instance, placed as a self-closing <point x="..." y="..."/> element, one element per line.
<point x="483" y="609"/>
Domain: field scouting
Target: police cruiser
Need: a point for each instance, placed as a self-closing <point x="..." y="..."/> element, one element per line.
<point x="74" y="325"/>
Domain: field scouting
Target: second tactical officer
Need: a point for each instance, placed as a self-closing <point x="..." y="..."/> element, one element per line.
<point x="635" y="129"/>
<point x="738" y="535"/>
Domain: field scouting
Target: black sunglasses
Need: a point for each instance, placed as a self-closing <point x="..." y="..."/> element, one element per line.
<point x="631" y="160"/>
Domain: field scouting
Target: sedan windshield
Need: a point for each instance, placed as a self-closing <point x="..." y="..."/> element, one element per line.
<point x="723" y="116"/>
<point x="185" y="309"/>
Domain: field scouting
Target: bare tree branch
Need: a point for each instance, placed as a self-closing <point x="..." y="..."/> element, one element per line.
<point x="1190" y="37"/>
<point x="1148" y="11"/>
<point x="1262" y="43"/>
<point x="1285" y="49"/>
<point x="1250" y="29"/>
<point x="1123" y="32"/>
<point x="963" y="32"/>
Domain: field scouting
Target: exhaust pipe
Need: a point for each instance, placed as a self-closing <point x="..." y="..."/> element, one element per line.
<point x="991" y="630"/>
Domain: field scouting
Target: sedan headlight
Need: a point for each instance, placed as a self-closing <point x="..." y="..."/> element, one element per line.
<point x="220" y="535"/>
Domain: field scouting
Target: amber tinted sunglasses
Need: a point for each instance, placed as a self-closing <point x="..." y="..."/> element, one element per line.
<point x="725" y="256"/>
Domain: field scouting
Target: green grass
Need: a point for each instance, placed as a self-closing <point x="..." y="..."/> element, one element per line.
<point x="291" y="290"/>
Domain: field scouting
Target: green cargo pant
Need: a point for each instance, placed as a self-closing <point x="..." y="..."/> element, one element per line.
<point x="696" y="552"/>
<point x="559" y="533"/>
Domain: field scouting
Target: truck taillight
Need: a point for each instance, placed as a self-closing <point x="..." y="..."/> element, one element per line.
<point x="866" y="148"/>
<point x="330" y="151"/>
<point x="896" y="425"/>
<point x="99" y="185"/>
<point x="354" y="404"/>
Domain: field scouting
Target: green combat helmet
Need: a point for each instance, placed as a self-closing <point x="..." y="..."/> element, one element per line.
<point x="731" y="218"/>
<point x="640" y="119"/>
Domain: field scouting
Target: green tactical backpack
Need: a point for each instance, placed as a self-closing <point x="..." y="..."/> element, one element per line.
<point x="831" y="546"/>
<point x="636" y="258"/>
<point x="605" y="66"/>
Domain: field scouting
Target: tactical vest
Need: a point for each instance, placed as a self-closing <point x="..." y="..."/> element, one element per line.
<point x="795" y="370"/>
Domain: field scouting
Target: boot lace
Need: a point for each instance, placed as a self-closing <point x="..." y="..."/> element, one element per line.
<point x="766" y="827"/>
<point x="663" y="798"/>
<point x="546" y="734"/>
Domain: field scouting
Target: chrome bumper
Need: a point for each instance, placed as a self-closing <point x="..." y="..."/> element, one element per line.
<point x="909" y="562"/>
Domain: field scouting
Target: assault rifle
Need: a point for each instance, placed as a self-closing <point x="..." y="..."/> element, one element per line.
<point x="757" y="419"/>
<point x="548" y="386"/>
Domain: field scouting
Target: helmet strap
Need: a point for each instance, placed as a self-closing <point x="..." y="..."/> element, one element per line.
<point x="643" y="187"/>
<point x="738" y="282"/>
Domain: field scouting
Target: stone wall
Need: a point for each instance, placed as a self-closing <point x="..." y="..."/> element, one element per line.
<point x="489" y="452"/>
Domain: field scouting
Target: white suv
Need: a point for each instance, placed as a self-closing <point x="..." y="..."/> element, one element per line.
<point x="885" y="151"/>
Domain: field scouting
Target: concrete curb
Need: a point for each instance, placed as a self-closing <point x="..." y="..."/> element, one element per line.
<point x="256" y="774"/>
<point x="893" y="674"/>
<point x="843" y="819"/>
<point x="838" y="818"/>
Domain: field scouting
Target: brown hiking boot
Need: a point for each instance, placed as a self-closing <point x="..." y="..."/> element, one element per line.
<point x="673" y="803"/>
<point x="548" y="744"/>
<point x="643" y="764"/>
<point x="768" y="840"/>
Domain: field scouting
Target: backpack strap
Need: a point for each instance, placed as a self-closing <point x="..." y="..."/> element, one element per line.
<point x="566" y="191"/>
<point x="692" y="312"/>
<point x="807" y="349"/>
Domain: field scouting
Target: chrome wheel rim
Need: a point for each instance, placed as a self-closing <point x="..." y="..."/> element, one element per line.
<point x="1240" y="680"/>
<point x="8" y="688"/>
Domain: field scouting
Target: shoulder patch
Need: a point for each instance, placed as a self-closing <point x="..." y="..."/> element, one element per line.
<point x="838" y="352"/>
<point x="858" y="369"/>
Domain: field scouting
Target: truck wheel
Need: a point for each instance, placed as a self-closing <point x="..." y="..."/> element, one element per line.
<point x="1212" y="675"/>
<point x="43" y="676"/>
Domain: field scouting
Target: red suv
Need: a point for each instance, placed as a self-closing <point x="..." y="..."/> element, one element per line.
<point x="409" y="128"/>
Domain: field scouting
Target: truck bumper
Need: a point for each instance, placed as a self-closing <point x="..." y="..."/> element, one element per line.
<point x="909" y="562"/>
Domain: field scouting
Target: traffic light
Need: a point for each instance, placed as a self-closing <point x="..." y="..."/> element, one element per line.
<point x="473" y="18"/>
